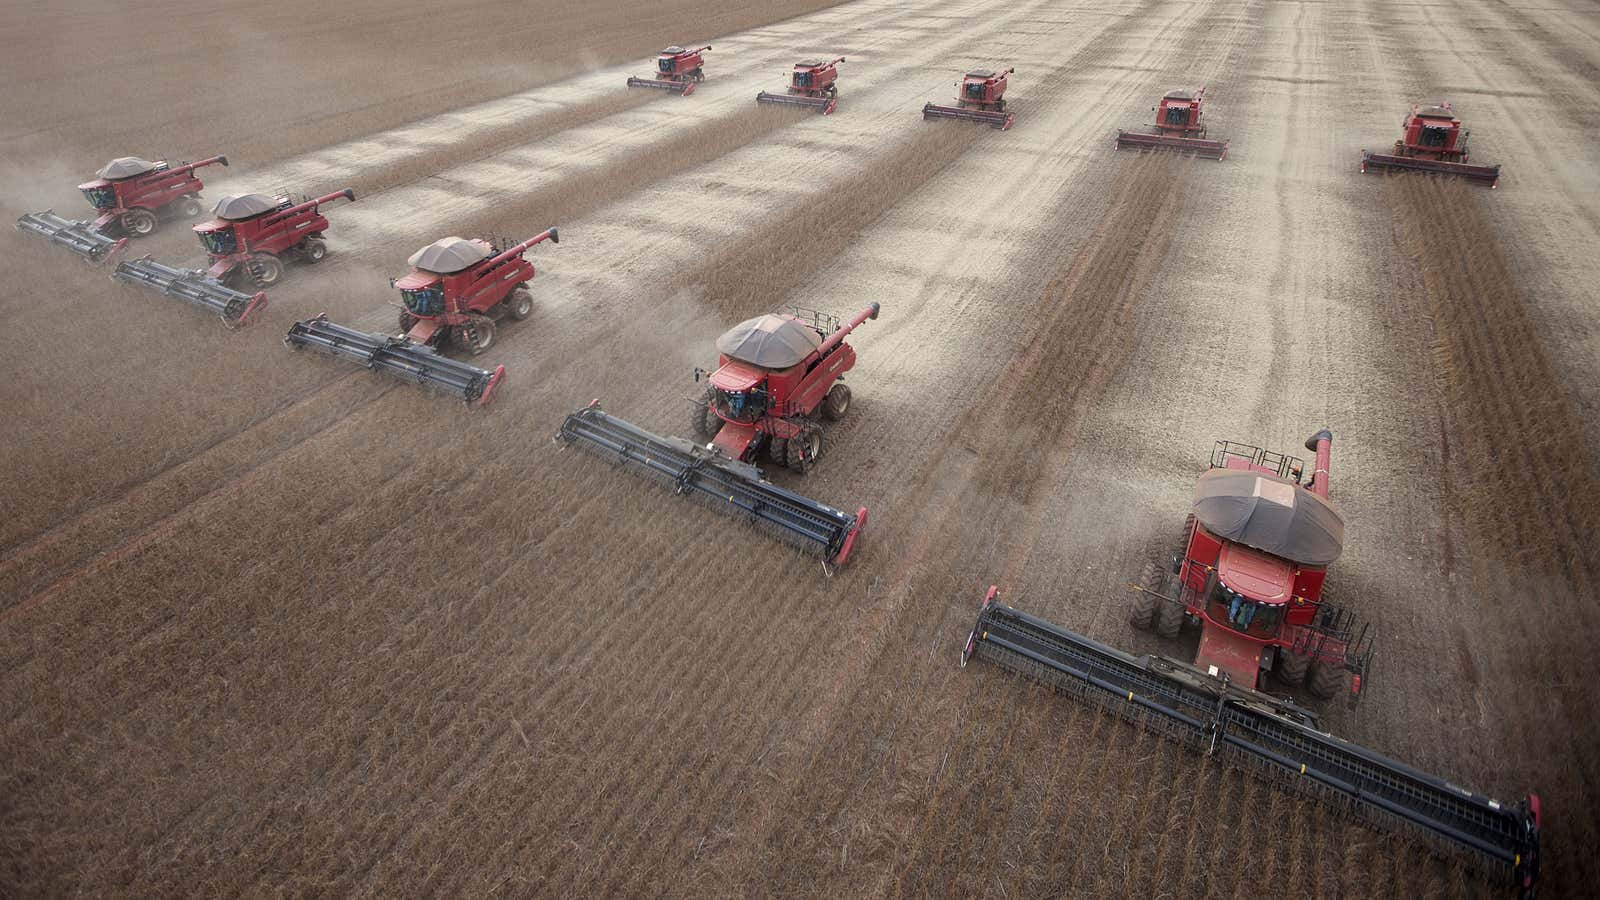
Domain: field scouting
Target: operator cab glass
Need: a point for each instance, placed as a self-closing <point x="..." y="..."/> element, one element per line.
<point x="802" y="78"/>
<point x="665" y="64"/>
<point x="1434" y="136"/>
<point x="1177" y="115"/>
<point x="101" y="197"/>
<point x="219" y="241"/>
<point x="1236" y="611"/>
<point x="427" y="301"/>
<point x="975" y="90"/>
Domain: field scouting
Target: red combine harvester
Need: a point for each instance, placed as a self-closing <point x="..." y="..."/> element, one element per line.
<point x="133" y="195"/>
<point x="456" y="290"/>
<point x="677" y="70"/>
<point x="981" y="99"/>
<point x="1432" y="140"/>
<point x="1256" y="551"/>
<point x="777" y="373"/>
<point x="811" y="84"/>
<point x="1177" y="127"/>
<point x="1255" y="554"/>
<point x="252" y="235"/>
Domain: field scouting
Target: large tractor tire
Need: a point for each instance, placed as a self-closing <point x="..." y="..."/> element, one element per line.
<point x="519" y="302"/>
<point x="1291" y="667"/>
<point x="476" y="334"/>
<point x="803" y="449"/>
<point x="778" y="451"/>
<point x="265" y="269"/>
<point x="1142" y="614"/>
<point x="1325" y="681"/>
<point x="1169" y="618"/>
<point x="139" y="222"/>
<point x="703" y="423"/>
<point x="837" y="402"/>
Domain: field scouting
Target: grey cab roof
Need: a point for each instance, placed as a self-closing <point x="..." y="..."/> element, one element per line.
<point x="1436" y="112"/>
<point x="244" y="206"/>
<point x="981" y="73"/>
<point x="1179" y="95"/>
<point x="1271" y="514"/>
<point x="447" y="255"/>
<point x="126" y="167"/>
<point x="770" y="341"/>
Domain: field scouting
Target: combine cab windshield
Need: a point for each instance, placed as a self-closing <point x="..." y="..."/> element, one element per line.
<point x="1434" y="136"/>
<point x="101" y="197"/>
<point x="1258" y="620"/>
<point x="222" y="241"/>
<point x="741" y="406"/>
<point x="802" y="78"/>
<point x="428" y="301"/>
<point x="974" y="90"/>
<point x="665" y="64"/>
<point x="1177" y="115"/>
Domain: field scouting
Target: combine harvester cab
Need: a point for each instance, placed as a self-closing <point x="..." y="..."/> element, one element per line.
<point x="980" y="98"/>
<point x="132" y="196"/>
<point x="777" y="375"/>
<point x="1431" y="141"/>
<point x="1178" y="127"/>
<point x="1255" y="555"/>
<point x="812" y="84"/>
<point x="1263" y="734"/>
<point x="677" y="70"/>
<point x="456" y="290"/>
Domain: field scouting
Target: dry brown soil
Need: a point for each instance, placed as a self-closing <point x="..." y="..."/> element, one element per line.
<point x="270" y="624"/>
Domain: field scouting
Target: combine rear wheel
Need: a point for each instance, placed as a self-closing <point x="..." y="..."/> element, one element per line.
<point x="139" y="222"/>
<point x="1291" y="668"/>
<point x="702" y="421"/>
<point x="1145" y="601"/>
<point x="312" y="251"/>
<point x="519" y="302"/>
<point x="475" y="335"/>
<point x="837" y="402"/>
<point x="189" y="207"/>
<point x="1325" y="681"/>
<point x="804" y="448"/>
<point x="265" y="269"/>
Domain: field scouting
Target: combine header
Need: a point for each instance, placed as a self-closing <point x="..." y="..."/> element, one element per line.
<point x="811" y="84"/>
<point x="233" y="306"/>
<point x="677" y="70"/>
<point x="456" y="290"/>
<point x="1431" y="140"/>
<point x="981" y="99"/>
<point x="1264" y="734"/>
<point x="1177" y="127"/>
<point x="132" y="195"/>
<point x="776" y="375"/>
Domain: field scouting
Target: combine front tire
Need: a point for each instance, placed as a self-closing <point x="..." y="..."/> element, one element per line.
<point x="476" y="334"/>
<point x="704" y="423"/>
<point x="1325" y="681"/>
<point x="804" y="448"/>
<point x="1291" y="668"/>
<point x="1169" y="618"/>
<point x="519" y="302"/>
<point x="778" y="451"/>
<point x="836" y="403"/>
<point x="265" y="270"/>
<point x="139" y="222"/>
<point x="1143" y="614"/>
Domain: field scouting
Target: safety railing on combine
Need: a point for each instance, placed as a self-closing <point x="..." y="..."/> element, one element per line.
<point x="1284" y="465"/>
<point x="1266" y="735"/>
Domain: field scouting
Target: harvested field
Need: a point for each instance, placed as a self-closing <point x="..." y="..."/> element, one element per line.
<point x="273" y="624"/>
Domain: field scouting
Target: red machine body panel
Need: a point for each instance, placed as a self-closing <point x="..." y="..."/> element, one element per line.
<point x="1226" y="651"/>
